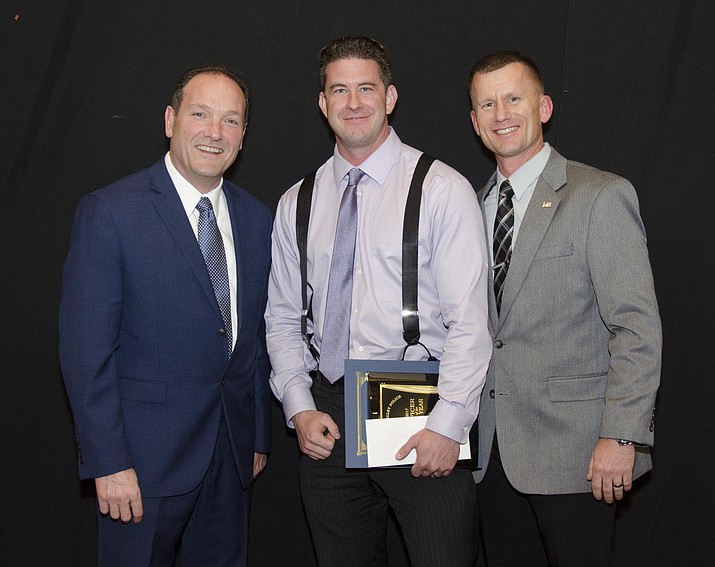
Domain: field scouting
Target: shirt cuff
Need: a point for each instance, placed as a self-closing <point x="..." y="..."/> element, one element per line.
<point x="296" y="400"/>
<point x="450" y="421"/>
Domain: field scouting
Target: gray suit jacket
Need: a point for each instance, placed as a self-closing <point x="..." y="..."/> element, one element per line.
<point x="577" y="345"/>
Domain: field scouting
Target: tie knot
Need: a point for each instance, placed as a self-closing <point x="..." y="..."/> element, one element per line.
<point x="354" y="176"/>
<point x="506" y="190"/>
<point x="204" y="205"/>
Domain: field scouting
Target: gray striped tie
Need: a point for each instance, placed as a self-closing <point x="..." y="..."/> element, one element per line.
<point x="503" y="233"/>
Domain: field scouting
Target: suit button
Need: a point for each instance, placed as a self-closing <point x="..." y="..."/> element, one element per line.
<point x="221" y="333"/>
<point x="223" y="381"/>
<point x="491" y="394"/>
<point x="498" y="344"/>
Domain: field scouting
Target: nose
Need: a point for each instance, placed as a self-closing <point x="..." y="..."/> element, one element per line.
<point x="214" y="129"/>
<point x="354" y="100"/>
<point x="502" y="112"/>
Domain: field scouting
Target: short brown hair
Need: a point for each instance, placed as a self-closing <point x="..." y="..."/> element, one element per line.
<point x="499" y="59"/>
<point x="355" y="48"/>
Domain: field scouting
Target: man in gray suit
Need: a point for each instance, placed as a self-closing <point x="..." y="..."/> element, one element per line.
<point x="566" y="415"/>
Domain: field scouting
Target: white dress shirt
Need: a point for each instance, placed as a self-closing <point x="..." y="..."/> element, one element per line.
<point x="190" y="197"/>
<point x="523" y="182"/>
<point x="452" y="272"/>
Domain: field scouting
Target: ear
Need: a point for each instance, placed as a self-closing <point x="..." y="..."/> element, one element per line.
<point x="390" y="99"/>
<point x="243" y="136"/>
<point x="169" y="121"/>
<point x="323" y="104"/>
<point x="475" y="125"/>
<point x="546" y="108"/>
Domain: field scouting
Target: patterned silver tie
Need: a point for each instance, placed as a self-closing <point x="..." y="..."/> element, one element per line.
<point x="336" y="327"/>
<point x="503" y="234"/>
<point x="211" y="245"/>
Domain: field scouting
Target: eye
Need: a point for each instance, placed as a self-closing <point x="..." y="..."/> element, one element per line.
<point x="365" y="89"/>
<point x="233" y="122"/>
<point x="487" y="105"/>
<point x="514" y="99"/>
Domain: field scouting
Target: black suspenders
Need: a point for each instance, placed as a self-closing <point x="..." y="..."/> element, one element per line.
<point x="410" y="237"/>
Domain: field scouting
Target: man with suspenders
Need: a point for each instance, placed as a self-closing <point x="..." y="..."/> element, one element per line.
<point x="353" y="272"/>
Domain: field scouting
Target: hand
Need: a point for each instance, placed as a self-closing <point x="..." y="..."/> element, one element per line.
<point x="119" y="496"/>
<point x="260" y="460"/>
<point x="611" y="470"/>
<point x="317" y="433"/>
<point x="436" y="454"/>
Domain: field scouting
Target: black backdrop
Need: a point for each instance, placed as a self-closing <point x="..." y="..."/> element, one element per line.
<point x="83" y="87"/>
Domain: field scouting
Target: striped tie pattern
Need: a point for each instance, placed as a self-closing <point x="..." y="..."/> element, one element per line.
<point x="503" y="234"/>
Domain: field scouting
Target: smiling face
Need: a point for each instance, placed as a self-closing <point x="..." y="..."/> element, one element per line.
<point x="207" y="129"/>
<point x="508" y="109"/>
<point x="356" y="103"/>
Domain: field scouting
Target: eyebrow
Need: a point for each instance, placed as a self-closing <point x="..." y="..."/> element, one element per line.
<point x="209" y="108"/>
<point x="363" y="84"/>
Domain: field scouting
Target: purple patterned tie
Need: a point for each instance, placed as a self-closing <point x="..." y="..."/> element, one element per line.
<point x="211" y="245"/>
<point x="336" y="327"/>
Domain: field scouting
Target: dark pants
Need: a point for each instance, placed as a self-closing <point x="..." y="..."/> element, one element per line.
<point x="210" y="522"/>
<point x="534" y="530"/>
<point x="347" y="510"/>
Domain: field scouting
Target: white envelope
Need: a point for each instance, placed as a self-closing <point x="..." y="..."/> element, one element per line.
<point x="386" y="436"/>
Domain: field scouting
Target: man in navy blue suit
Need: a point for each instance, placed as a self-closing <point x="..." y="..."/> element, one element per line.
<point x="168" y="385"/>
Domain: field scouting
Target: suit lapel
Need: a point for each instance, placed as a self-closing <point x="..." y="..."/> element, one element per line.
<point x="168" y="205"/>
<point x="238" y="228"/>
<point x="539" y="214"/>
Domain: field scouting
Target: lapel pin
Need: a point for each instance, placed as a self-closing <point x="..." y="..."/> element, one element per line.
<point x="546" y="205"/>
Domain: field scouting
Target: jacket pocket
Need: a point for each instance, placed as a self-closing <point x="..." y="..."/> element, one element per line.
<point x="577" y="388"/>
<point x="142" y="391"/>
<point x="554" y="251"/>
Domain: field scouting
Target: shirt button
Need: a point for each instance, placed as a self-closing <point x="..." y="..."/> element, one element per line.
<point x="361" y="349"/>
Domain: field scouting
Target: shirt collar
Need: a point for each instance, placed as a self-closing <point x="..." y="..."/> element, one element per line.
<point x="523" y="177"/>
<point x="377" y="166"/>
<point x="188" y="194"/>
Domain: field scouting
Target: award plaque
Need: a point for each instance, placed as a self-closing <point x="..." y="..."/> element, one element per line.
<point x="385" y="389"/>
<point x="377" y="389"/>
<point x="400" y="394"/>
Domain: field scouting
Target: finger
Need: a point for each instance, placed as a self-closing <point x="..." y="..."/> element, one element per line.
<point x="403" y="451"/>
<point x="608" y="493"/>
<point x="125" y="512"/>
<point x="316" y="453"/>
<point x="596" y="488"/>
<point x="418" y="470"/>
<point x="333" y="429"/>
<point x="137" y="510"/>
<point x="618" y="490"/>
<point x="103" y="506"/>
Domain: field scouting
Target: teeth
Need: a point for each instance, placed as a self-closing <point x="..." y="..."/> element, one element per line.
<point x="210" y="149"/>
<point x="507" y="130"/>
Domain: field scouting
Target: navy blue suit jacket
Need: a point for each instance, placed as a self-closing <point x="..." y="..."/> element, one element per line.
<point x="144" y="363"/>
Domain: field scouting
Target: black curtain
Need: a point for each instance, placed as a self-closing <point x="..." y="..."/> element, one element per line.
<point x="83" y="87"/>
